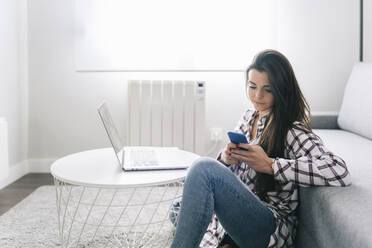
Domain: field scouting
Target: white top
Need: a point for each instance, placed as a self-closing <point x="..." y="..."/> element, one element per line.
<point x="100" y="168"/>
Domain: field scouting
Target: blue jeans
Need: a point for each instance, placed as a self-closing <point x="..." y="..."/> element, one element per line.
<point x="211" y="187"/>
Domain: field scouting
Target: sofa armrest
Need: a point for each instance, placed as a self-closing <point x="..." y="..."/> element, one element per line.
<point x="324" y="120"/>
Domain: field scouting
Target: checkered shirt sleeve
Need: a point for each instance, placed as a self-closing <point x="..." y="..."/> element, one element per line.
<point x="313" y="163"/>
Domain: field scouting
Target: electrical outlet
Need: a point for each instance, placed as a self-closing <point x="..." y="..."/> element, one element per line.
<point x="216" y="134"/>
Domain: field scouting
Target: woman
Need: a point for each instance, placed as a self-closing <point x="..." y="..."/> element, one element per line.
<point x="248" y="198"/>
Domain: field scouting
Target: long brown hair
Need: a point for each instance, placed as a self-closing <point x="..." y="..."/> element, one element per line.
<point x="289" y="106"/>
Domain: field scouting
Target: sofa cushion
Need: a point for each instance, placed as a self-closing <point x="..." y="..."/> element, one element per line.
<point x="355" y="113"/>
<point x="339" y="216"/>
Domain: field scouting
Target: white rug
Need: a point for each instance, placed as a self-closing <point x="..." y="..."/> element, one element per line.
<point x="33" y="223"/>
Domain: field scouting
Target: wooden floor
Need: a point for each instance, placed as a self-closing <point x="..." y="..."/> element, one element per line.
<point x="20" y="189"/>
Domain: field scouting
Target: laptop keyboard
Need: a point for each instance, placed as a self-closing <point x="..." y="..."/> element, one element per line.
<point x="143" y="157"/>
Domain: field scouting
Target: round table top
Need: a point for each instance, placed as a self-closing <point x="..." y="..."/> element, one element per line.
<point x="100" y="168"/>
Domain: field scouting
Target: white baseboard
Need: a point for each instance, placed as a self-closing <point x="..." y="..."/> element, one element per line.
<point x="15" y="172"/>
<point x="40" y="165"/>
<point x="26" y="166"/>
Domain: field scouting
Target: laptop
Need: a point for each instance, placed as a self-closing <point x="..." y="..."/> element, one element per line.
<point x="138" y="157"/>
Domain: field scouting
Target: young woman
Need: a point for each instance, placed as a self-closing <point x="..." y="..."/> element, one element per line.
<point x="250" y="196"/>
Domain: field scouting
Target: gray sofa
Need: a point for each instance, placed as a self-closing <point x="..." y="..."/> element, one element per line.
<point x="342" y="216"/>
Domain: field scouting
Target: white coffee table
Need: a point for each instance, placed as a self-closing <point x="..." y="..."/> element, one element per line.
<point x="100" y="205"/>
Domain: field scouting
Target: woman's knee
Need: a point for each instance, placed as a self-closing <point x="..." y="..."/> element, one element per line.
<point x="203" y="164"/>
<point x="205" y="170"/>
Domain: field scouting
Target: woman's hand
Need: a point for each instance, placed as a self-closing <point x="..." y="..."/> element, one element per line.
<point x="226" y="155"/>
<point x="255" y="157"/>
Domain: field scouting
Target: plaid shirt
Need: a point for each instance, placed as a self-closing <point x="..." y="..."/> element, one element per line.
<point x="307" y="162"/>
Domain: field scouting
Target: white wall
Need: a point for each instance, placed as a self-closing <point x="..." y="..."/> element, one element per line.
<point x="14" y="89"/>
<point x="62" y="110"/>
<point x="321" y="39"/>
<point x="13" y="76"/>
<point x="165" y="35"/>
<point x="63" y="116"/>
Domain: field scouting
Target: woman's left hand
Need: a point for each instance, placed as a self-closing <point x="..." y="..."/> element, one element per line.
<point x="255" y="157"/>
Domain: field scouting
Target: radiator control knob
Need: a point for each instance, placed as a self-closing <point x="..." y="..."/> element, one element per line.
<point x="200" y="90"/>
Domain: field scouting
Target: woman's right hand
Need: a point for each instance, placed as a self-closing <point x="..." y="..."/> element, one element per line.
<point x="226" y="154"/>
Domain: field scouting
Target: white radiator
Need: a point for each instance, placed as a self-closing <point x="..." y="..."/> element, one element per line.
<point x="4" y="162"/>
<point x="166" y="113"/>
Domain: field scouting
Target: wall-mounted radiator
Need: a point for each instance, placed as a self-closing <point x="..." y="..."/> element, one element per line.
<point x="4" y="162"/>
<point x="167" y="113"/>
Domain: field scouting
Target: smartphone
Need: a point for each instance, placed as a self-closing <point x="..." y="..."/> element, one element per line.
<point x="237" y="138"/>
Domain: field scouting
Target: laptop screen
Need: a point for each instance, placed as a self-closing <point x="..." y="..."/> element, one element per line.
<point x="111" y="130"/>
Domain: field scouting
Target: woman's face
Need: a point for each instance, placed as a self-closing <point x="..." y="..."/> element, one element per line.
<point x="259" y="91"/>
